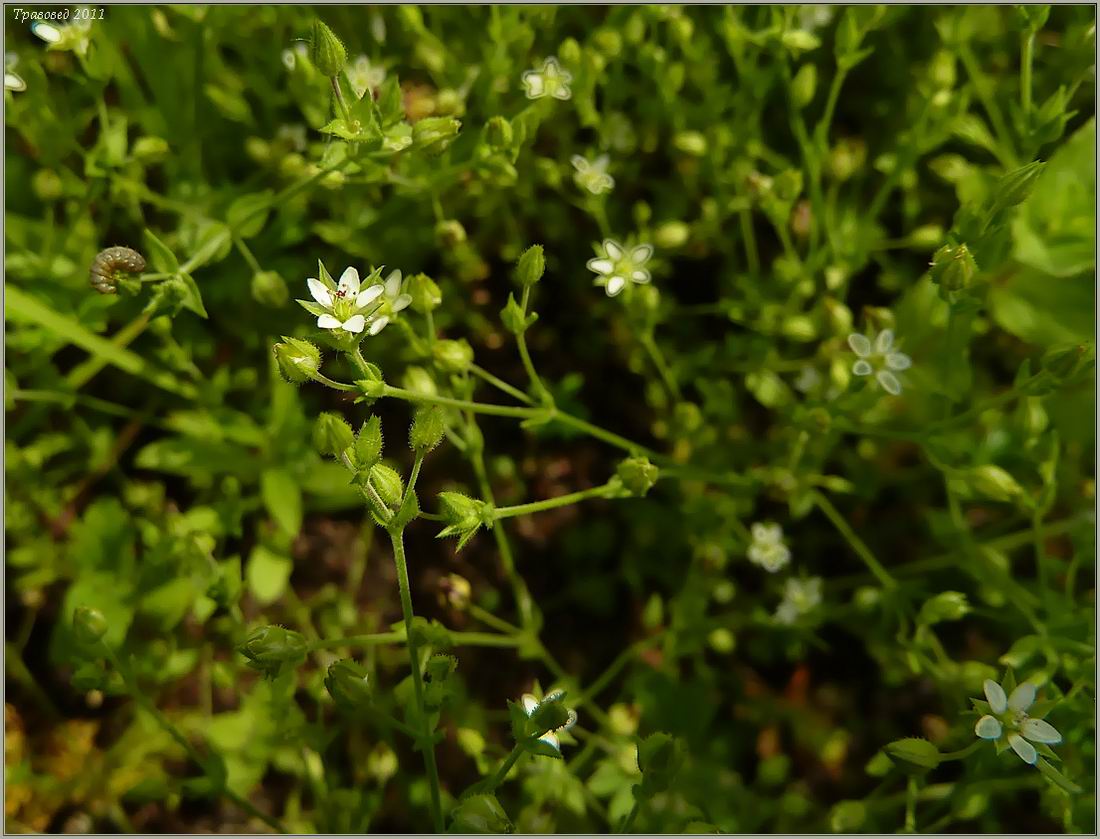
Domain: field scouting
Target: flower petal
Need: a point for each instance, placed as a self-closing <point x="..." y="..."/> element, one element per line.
<point x="889" y="382"/>
<point x="862" y="368"/>
<point x="561" y="91"/>
<point x="1039" y="731"/>
<point x="320" y="293"/>
<point x="551" y="739"/>
<point x="533" y="81"/>
<point x="898" y="361"/>
<point x="860" y="344"/>
<point x="328" y="322"/>
<point x="988" y="728"/>
<point x="13" y="82"/>
<point x="529" y="703"/>
<point x="369" y="295"/>
<point x="613" y="249"/>
<point x="641" y="276"/>
<point x="601" y="266"/>
<point x="377" y="326"/>
<point x="995" y="695"/>
<point x="402" y="301"/>
<point x="579" y="163"/>
<point x="1022" y="697"/>
<point x="47" y="32"/>
<point x="355" y="324"/>
<point x="615" y="285"/>
<point x="884" y="341"/>
<point x="349" y="282"/>
<point x="393" y="283"/>
<point x="1024" y="749"/>
<point x="641" y="254"/>
<point x="761" y="532"/>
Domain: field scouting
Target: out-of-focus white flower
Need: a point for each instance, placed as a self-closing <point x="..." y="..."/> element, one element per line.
<point x="291" y="55"/>
<point x="392" y="302"/>
<point x="592" y="174"/>
<point x="879" y="358"/>
<point x="72" y="37"/>
<point x="550" y="80"/>
<point x="12" y="80"/>
<point x="768" y="549"/>
<point x="617" y="266"/>
<point x="800" y="597"/>
<point x="531" y="706"/>
<point x="364" y="76"/>
<point x="1010" y="724"/>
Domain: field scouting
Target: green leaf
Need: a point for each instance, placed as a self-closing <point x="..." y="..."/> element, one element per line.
<point x="192" y="298"/>
<point x="283" y="499"/>
<point x="1057" y="778"/>
<point x="159" y="256"/>
<point x="248" y="214"/>
<point x="267" y="574"/>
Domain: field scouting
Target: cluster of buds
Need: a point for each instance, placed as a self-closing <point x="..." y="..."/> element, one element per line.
<point x="464" y="516"/>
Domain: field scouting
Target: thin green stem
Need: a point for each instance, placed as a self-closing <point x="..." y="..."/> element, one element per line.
<point x="602" y="491"/>
<point x="358" y="641"/>
<point x="521" y="343"/>
<point x="1027" y="54"/>
<point x="504" y="769"/>
<point x="658" y="359"/>
<point x="989" y="101"/>
<point x="396" y="539"/>
<point x="463" y="404"/>
<point x="962" y="753"/>
<point x="602" y="434"/>
<point x="341" y="104"/>
<point x="489" y="619"/>
<point x="861" y="549"/>
<point x="752" y="257"/>
<point x="500" y="384"/>
<point x="911" y="806"/>
<point x="628" y="822"/>
<point x="246" y="252"/>
<point x="624" y="658"/>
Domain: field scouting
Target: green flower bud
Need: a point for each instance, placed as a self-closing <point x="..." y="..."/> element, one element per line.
<point x="953" y="267"/>
<point x="691" y="142"/>
<point x="150" y="149"/>
<point x="424" y="292"/>
<point x="608" y="41"/>
<point x="803" y="86"/>
<point x="428" y="426"/>
<point x="926" y="236"/>
<point x="326" y="51"/>
<point x="89" y="625"/>
<point x="167" y="299"/>
<point x="945" y="606"/>
<point x="499" y="134"/>
<point x="800" y="40"/>
<point x="298" y="360"/>
<point x="846" y="158"/>
<point x="47" y="185"/>
<point x="1066" y="363"/>
<point x="531" y="266"/>
<point x="464" y="516"/>
<point x="913" y="755"/>
<point x="480" y="814"/>
<point x="388" y="486"/>
<point x="419" y="380"/>
<point x="569" y="53"/>
<point x="513" y="318"/>
<point x="369" y="443"/>
<point x="348" y="684"/>
<point x="435" y="133"/>
<point x="941" y="70"/>
<point x="271" y="648"/>
<point x="452" y="356"/>
<point x="992" y="482"/>
<point x="787" y="185"/>
<point x="799" y="328"/>
<point x="671" y="234"/>
<point x="269" y="289"/>
<point x="332" y="434"/>
<point x="637" y="474"/>
<point x="438" y="686"/>
<point x="1015" y="187"/>
<point x="660" y="757"/>
<point x="450" y="233"/>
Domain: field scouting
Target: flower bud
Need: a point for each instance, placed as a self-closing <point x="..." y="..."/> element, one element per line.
<point x="531" y="266"/>
<point x="150" y="149"/>
<point x="326" y="51"/>
<point x="513" y="318"/>
<point x="424" y="292"/>
<point x="846" y="158"/>
<point x="480" y="814"/>
<point x="1066" y="363"/>
<point x="569" y="53"/>
<point x="89" y="625"/>
<point x="1015" y="187"/>
<point x="435" y="133"/>
<point x="389" y="487"/>
<point x="691" y="142"/>
<point x="348" y="684"/>
<point x="332" y="434"/>
<point x="637" y="474"/>
<point x="671" y="234"/>
<point x="463" y="515"/>
<point x="298" y="360"/>
<point x="992" y="482"/>
<point x="660" y="757"/>
<point x="608" y="41"/>
<point x="270" y="648"/>
<point x="803" y="86"/>
<point x="945" y="606"/>
<point x="429" y="424"/>
<point x="913" y="756"/>
<point x="371" y="389"/>
<point x="47" y="185"/>
<point x="800" y="40"/>
<point x="269" y="289"/>
<point x="450" y="233"/>
<point x="453" y="356"/>
<point x="953" y="267"/>
<point x="499" y="134"/>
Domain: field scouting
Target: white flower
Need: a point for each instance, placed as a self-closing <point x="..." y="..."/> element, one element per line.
<point x="800" y="597"/>
<point x="393" y="301"/>
<point x="342" y="307"/>
<point x="768" y="549"/>
<point x="75" y="36"/>
<point x="12" y="80"/>
<point x="592" y="175"/>
<point x="531" y="705"/>
<point x="615" y="266"/>
<point x="1010" y="713"/>
<point x="551" y="80"/>
<point x="879" y="358"/>
<point x="364" y="76"/>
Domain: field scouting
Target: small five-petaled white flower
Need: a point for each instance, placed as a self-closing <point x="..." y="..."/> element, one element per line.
<point x="800" y="597"/>
<point x="344" y="304"/>
<point x="768" y="549"/>
<point x="616" y="265"/>
<point x="364" y="76"/>
<point x="1010" y="714"/>
<point x="592" y="174"/>
<point x="879" y="358"/>
<point x="551" y="80"/>
<point x="530" y="707"/>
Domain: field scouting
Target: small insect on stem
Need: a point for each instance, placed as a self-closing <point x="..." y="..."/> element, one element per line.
<point x="109" y="263"/>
